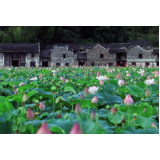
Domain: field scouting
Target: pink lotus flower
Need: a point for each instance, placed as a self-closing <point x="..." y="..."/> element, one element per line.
<point x="66" y="81"/>
<point x="40" y="76"/>
<point x="98" y="73"/>
<point x="86" y="92"/>
<point x="21" y="84"/>
<point x="128" y="75"/>
<point x="14" y="85"/>
<point x="94" y="100"/>
<point x="142" y="73"/>
<point x="93" y="89"/>
<point x="101" y="82"/>
<point x="62" y="78"/>
<point x="76" y="129"/>
<point x="113" y="111"/>
<point x="30" y="115"/>
<point x="9" y="75"/>
<point x="156" y="74"/>
<point x="119" y="75"/>
<point x="154" y="125"/>
<point x="54" y="74"/>
<point x="148" y="77"/>
<point x="44" y="129"/>
<point x="81" y="97"/>
<point x="128" y="100"/>
<point x="150" y="81"/>
<point x="16" y="91"/>
<point x="25" y="98"/>
<point x="42" y="106"/>
<point x="93" y="116"/>
<point x="78" y="109"/>
<point x="120" y="82"/>
<point x="147" y="93"/>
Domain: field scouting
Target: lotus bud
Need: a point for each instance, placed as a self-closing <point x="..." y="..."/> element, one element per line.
<point x="101" y="82"/>
<point x="154" y="125"/>
<point x="81" y="97"/>
<point x="98" y="73"/>
<point x="86" y="92"/>
<point x="25" y="98"/>
<point x="30" y="115"/>
<point x="9" y="75"/>
<point x="42" y="106"/>
<point x="145" y="110"/>
<point x="119" y="75"/>
<point x="16" y="91"/>
<point x="128" y="100"/>
<point x="156" y="74"/>
<point x="113" y="111"/>
<point x="147" y="93"/>
<point x="21" y="84"/>
<point x="76" y="129"/>
<point x="44" y="129"/>
<point x="93" y="116"/>
<point x="120" y="82"/>
<point x="14" y="85"/>
<point x="148" y="77"/>
<point x="78" y="109"/>
<point x="128" y="75"/>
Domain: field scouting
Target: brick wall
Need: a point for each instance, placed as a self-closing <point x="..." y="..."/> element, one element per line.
<point x="57" y="56"/>
<point x="133" y="56"/>
<point x="32" y="59"/>
<point x="1" y="60"/>
<point x="93" y="56"/>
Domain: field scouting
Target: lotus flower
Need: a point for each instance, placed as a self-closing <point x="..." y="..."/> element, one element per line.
<point x="16" y="91"/>
<point x="128" y="100"/>
<point x="42" y="106"/>
<point x="101" y="82"/>
<point x="147" y="93"/>
<point x="54" y="74"/>
<point x="66" y="81"/>
<point x="93" y="89"/>
<point x="154" y="125"/>
<point x="44" y="129"/>
<point x="156" y="74"/>
<point x="21" y="84"/>
<point x="14" y="85"/>
<point x="150" y="81"/>
<point x="93" y="116"/>
<point x="86" y="92"/>
<point x="33" y="79"/>
<point x="78" y="109"/>
<point x="30" y="115"/>
<point x="128" y="75"/>
<point x="113" y="111"/>
<point x="94" y="100"/>
<point x="102" y="78"/>
<point x="98" y="73"/>
<point x="142" y="73"/>
<point x="62" y="78"/>
<point x="120" y="82"/>
<point x="148" y="77"/>
<point x="119" y="75"/>
<point x="81" y="97"/>
<point x="76" y="129"/>
<point x="25" y="98"/>
<point x="40" y="76"/>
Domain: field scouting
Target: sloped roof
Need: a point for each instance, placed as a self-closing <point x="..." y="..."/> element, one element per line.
<point x="19" y="47"/>
<point x="45" y="53"/>
<point x="140" y="43"/>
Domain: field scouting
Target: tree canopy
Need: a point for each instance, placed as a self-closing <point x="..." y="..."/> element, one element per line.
<point x="48" y="35"/>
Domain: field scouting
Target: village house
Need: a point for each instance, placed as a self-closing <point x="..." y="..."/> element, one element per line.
<point x="119" y="54"/>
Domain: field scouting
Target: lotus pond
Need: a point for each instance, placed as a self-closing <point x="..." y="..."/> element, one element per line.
<point x="88" y="100"/>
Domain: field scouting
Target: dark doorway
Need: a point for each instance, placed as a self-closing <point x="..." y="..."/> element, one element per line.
<point x="81" y="63"/>
<point x="32" y="64"/>
<point x="44" y="63"/>
<point x="121" y="63"/>
<point x="157" y="63"/>
<point x="15" y="63"/>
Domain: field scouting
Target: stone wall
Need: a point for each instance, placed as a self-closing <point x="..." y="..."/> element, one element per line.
<point x="57" y="56"/>
<point x="32" y="59"/>
<point x="93" y="56"/>
<point x="1" y="59"/>
<point x="133" y="56"/>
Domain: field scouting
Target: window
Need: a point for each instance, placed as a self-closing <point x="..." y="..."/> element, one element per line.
<point x="32" y="54"/>
<point x="110" y="64"/>
<point x="157" y="63"/>
<point x="92" y="64"/>
<point x="140" y="56"/>
<point x="101" y="55"/>
<point x="66" y="64"/>
<point x="133" y="63"/>
<point x="57" y="64"/>
<point x="64" y="55"/>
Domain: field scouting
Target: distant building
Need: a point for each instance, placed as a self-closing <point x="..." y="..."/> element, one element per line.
<point x="121" y="54"/>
